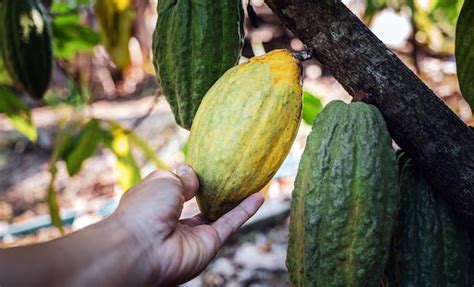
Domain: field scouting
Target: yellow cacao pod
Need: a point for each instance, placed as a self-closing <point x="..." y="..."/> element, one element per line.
<point x="115" y="18"/>
<point x="244" y="129"/>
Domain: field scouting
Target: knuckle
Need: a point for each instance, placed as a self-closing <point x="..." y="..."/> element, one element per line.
<point x="165" y="177"/>
<point x="245" y="213"/>
<point x="230" y="223"/>
<point x="156" y="174"/>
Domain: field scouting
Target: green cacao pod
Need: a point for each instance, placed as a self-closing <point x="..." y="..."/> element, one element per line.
<point x="431" y="245"/>
<point x="464" y="52"/>
<point x="345" y="200"/>
<point x="25" y="38"/>
<point x="244" y="129"/>
<point x="195" y="42"/>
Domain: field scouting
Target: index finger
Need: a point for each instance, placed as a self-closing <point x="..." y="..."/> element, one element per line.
<point x="231" y="221"/>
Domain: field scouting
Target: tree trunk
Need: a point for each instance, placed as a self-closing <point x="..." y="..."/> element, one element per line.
<point x="419" y="122"/>
<point x="47" y="3"/>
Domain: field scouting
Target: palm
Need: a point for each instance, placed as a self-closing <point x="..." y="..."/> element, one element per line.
<point x="190" y="250"/>
<point x="184" y="247"/>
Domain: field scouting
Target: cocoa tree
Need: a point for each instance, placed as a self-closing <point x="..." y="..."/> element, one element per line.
<point x="419" y="122"/>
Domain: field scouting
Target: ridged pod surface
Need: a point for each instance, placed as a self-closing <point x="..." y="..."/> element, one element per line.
<point x="345" y="200"/>
<point x="25" y="40"/>
<point x="195" y="42"/>
<point x="464" y="51"/>
<point x="244" y="129"/>
<point x="431" y="245"/>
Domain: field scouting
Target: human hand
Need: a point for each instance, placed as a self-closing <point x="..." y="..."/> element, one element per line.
<point x="176" y="250"/>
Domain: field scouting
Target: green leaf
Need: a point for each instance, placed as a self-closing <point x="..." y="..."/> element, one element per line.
<point x="311" y="107"/>
<point x="70" y="143"/>
<point x="87" y="142"/>
<point x="147" y="150"/>
<point x="67" y="138"/>
<point x="4" y="76"/>
<point x="54" y="209"/>
<point x="18" y="113"/>
<point x="372" y="7"/>
<point x="62" y="143"/>
<point x="144" y="147"/>
<point x="71" y="37"/>
<point x="447" y="10"/>
<point x="74" y="94"/>
<point x="126" y="168"/>
<point x="465" y="51"/>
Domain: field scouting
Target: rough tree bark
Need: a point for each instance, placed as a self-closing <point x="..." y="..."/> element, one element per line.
<point x="419" y="122"/>
<point x="47" y="3"/>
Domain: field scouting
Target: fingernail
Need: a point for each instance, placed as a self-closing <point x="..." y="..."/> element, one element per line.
<point x="182" y="170"/>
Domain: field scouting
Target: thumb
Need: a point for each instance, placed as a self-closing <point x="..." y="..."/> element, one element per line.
<point x="189" y="180"/>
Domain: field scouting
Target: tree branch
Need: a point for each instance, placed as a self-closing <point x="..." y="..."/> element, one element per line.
<point x="420" y="123"/>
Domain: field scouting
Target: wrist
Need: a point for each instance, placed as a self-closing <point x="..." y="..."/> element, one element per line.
<point x="104" y="254"/>
<point x="142" y="247"/>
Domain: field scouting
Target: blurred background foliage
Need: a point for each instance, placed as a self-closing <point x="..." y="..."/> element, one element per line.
<point x="433" y="21"/>
<point x="104" y="102"/>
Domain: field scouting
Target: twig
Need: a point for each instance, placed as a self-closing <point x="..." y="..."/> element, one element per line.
<point x="140" y="120"/>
